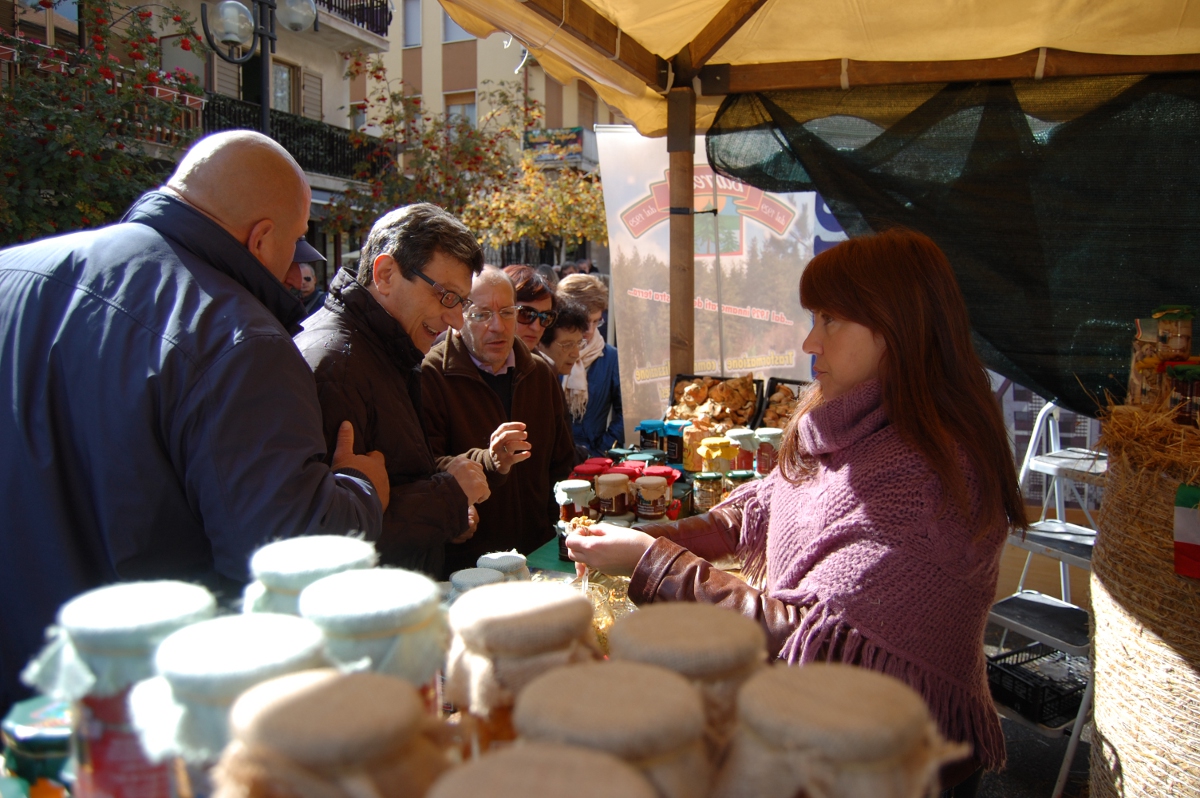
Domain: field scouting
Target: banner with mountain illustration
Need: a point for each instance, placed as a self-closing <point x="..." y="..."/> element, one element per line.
<point x="748" y="320"/>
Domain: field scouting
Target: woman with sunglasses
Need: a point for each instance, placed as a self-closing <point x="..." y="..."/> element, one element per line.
<point x="876" y="541"/>
<point x="535" y="304"/>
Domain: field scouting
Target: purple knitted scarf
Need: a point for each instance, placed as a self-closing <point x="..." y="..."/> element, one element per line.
<point x="895" y="577"/>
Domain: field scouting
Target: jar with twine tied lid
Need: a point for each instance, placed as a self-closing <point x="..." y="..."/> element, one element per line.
<point x="715" y="649"/>
<point x="512" y="565"/>
<point x="283" y="568"/>
<point x="747" y="442"/>
<point x="321" y="734"/>
<point x="105" y="642"/>
<point x="184" y="711"/>
<point x="505" y="636"/>
<point x="833" y="731"/>
<point x="649" y="717"/>
<point x="545" y="770"/>
<point x="386" y="620"/>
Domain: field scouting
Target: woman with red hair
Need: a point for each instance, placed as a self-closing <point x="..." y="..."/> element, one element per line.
<point x="877" y="539"/>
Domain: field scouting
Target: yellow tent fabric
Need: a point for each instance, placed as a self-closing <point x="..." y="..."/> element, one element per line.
<point x="813" y="30"/>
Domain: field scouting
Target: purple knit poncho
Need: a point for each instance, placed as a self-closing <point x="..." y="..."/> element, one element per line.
<point x="896" y="577"/>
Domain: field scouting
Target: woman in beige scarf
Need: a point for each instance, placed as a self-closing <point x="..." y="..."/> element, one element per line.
<point x="594" y="385"/>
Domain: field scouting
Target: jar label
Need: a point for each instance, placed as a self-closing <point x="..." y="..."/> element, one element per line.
<point x="651" y="508"/>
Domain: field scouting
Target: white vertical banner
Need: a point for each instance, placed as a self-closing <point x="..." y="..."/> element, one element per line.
<point x="749" y="257"/>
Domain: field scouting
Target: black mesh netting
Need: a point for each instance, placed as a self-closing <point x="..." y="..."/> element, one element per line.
<point x="1068" y="208"/>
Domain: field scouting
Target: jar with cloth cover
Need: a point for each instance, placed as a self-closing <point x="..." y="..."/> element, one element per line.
<point x="321" y="734"/>
<point x="717" y="455"/>
<point x="283" y="568"/>
<point x="769" y="439"/>
<point x="503" y="637"/>
<point x="652" y="498"/>
<point x="385" y="620"/>
<point x="184" y="711"/>
<point x="544" y="770"/>
<point x="747" y="442"/>
<point x="649" y="717"/>
<point x="105" y="642"/>
<point x="833" y="730"/>
<point x="471" y="578"/>
<point x="573" y="497"/>
<point x="613" y="491"/>
<point x="715" y="649"/>
<point x="510" y="564"/>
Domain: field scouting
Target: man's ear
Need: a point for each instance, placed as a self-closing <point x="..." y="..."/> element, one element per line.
<point x="256" y="242"/>
<point x="384" y="272"/>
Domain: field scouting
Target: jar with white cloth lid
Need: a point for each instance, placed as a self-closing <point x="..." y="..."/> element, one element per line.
<point x="544" y="770"/>
<point x="506" y="635"/>
<point x="646" y="716"/>
<point x="184" y="711"/>
<point x="321" y="733"/>
<point x="283" y="568"/>
<point x="386" y="620"/>
<point x="715" y="649"/>
<point x="105" y="642"/>
<point x="513" y="565"/>
<point x="833" y="730"/>
<point x="471" y="578"/>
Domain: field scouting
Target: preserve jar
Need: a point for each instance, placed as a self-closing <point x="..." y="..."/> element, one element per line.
<point x="708" y="489"/>
<point x="717" y="454"/>
<point x="651" y="497"/>
<point x="573" y="497"/>
<point x="283" y="568"/>
<point x="768" y="449"/>
<point x="673" y="439"/>
<point x="747" y="443"/>
<point x="651" y="433"/>
<point x="613" y="492"/>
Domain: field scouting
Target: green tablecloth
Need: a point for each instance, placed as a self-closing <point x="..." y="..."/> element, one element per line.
<point x="546" y="558"/>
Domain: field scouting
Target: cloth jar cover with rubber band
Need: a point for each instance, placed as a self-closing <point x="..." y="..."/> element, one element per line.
<point x="386" y="620"/>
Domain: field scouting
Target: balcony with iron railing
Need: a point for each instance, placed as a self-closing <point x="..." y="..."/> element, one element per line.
<point x="318" y="147"/>
<point x="372" y="15"/>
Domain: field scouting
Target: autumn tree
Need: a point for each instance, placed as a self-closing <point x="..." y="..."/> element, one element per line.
<point x="416" y="155"/>
<point x="563" y="207"/>
<point x="78" y="124"/>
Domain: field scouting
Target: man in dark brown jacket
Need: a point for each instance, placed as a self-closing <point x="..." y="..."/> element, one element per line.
<point x="485" y="395"/>
<point x="365" y="349"/>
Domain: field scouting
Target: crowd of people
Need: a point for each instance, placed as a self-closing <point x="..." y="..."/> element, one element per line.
<point x="165" y="413"/>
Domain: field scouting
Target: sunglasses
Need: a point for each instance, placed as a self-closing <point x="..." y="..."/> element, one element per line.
<point x="527" y="315"/>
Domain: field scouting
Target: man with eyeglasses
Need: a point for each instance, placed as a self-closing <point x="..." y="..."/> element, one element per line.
<point x="486" y="394"/>
<point x="365" y="348"/>
<point x="156" y="419"/>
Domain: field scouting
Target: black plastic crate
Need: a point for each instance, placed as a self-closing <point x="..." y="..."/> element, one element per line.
<point x="758" y="393"/>
<point x="1016" y="681"/>
<point x="797" y="386"/>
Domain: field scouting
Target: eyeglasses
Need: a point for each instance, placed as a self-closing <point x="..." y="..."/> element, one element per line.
<point x="527" y="315"/>
<point x="568" y="346"/>
<point x="480" y="316"/>
<point x="449" y="299"/>
<point x="307" y="279"/>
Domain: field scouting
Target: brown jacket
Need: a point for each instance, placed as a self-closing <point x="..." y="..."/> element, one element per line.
<point x="368" y="371"/>
<point x="461" y="411"/>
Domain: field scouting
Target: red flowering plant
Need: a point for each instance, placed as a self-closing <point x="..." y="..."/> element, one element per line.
<point x="84" y="130"/>
<point x="415" y="155"/>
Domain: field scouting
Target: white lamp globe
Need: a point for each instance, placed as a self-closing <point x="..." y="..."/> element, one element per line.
<point x="297" y="15"/>
<point x="234" y="25"/>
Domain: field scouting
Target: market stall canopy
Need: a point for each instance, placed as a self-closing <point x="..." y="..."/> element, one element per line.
<point x="632" y="52"/>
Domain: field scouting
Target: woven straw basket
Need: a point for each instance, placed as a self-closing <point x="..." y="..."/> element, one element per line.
<point x="1146" y="649"/>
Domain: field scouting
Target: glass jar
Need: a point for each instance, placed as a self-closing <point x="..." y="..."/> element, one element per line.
<point x="612" y="491"/>
<point x="707" y="491"/>
<point x="651" y="433"/>
<point x="673" y="439"/>
<point x="1174" y="332"/>
<point x="717" y="454"/>
<point x="747" y="448"/>
<point x="651" y="497"/>
<point x="736" y="478"/>
<point x="769" y="439"/>
<point x="573" y="497"/>
<point x="588" y="472"/>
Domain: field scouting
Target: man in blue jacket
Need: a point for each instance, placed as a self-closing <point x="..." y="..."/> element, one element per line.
<point x="156" y="419"/>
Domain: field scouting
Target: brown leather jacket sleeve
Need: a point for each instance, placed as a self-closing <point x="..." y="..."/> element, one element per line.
<point x="669" y="572"/>
<point x="710" y="535"/>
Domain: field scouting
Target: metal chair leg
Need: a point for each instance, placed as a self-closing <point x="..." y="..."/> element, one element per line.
<point x="1085" y="706"/>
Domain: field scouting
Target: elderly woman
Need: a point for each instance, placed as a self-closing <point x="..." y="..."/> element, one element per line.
<point x="594" y="384"/>
<point x="877" y="539"/>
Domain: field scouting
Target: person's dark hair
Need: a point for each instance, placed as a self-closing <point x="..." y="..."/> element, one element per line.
<point x="571" y="316"/>
<point x="936" y="391"/>
<point x="412" y="235"/>
<point x="528" y="284"/>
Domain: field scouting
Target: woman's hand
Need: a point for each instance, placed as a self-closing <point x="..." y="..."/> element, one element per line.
<point x="509" y="445"/>
<point x="614" y="550"/>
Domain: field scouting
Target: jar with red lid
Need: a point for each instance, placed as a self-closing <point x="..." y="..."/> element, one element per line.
<point x="607" y="462"/>
<point x="628" y="470"/>
<point x="668" y="473"/>
<point x="588" y="472"/>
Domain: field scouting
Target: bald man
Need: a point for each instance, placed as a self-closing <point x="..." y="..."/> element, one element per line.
<point x="156" y="420"/>
<point x="484" y="395"/>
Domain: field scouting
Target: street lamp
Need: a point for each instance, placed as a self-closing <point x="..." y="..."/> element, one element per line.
<point x="234" y="27"/>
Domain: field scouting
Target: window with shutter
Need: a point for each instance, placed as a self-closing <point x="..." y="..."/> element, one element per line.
<point x="312" y="100"/>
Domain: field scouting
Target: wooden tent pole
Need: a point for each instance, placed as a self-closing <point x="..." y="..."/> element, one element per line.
<point x="681" y="148"/>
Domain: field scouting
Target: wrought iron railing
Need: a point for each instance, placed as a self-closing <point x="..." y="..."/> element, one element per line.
<point x="316" y="146"/>
<point x="374" y="15"/>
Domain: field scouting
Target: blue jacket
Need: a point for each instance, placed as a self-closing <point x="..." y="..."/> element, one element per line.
<point x="156" y="419"/>
<point x="594" y="430"/>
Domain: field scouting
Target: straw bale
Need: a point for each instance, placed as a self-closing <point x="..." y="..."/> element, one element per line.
<point x="1146" y="655"/>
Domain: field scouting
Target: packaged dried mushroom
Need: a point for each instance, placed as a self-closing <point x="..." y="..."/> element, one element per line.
<point x="715" y="405"/>
<point x="781" y="405"/>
